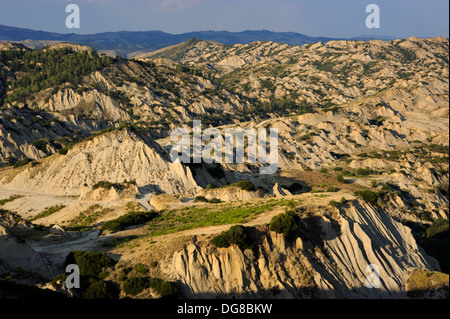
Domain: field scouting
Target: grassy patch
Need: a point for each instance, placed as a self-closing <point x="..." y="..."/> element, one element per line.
<point x="9" y="199"/>
<point x="89" y="216"/>
<point x="194" y="217"/>
<point x="47" y="212"/>
<point x="422" y="281"/>
<point x="127" y="220"/>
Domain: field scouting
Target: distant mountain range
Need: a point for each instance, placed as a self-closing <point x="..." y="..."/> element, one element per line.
<point x="132" y="43"/>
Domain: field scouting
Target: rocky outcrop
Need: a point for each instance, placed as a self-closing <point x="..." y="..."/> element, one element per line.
<point x="279" y="191"/>
<point x="228" y="194"/>
<point x="163" y="201"/>
<point x="15" y="253"/>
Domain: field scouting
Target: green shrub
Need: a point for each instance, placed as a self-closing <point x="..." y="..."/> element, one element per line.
<point x="368" y="196"/>
<point x="164" y="288"/>
<point x="60" y="277"/>
<point x="200" y="199"/>
<point x="439" y="226"/>
<point x="90" y="263"/>
<point x="64" y="150"/>
<point x="22" y="162"/>
<point x="99" y="289"/>
<point x="284" y="223"/>
<point x="333" y="203"/>
<point x="214" y="201"/>
<point x="245" y="185"/>
<point x="103" y="184"/>
<point x="364" y="171"/>
<point x="362" y="155"/>
<point x="9" y="199"/>
<point x="343" y="200"/>
<point x="134" y="285"/>
<point x="141" y="269"/>
<point x="340" y="178"/>
<point x="236" y="235"/>
<point x="323" y="170"/>
<point x="331" y="189"/>
<point x="40" y="144"/>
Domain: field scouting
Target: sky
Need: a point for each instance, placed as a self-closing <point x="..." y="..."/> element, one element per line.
<point x="330" y="18"/>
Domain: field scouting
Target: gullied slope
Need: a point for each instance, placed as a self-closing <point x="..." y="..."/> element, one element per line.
<point x="333" y="267"/>
<point x="113" y="157"/>
<point x="16" y="253"/>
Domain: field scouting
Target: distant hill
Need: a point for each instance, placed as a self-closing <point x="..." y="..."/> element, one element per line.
<point x="132" y="43"/>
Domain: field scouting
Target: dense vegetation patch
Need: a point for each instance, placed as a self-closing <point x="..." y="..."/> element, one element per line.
<point x="367" y="196"/>
<point x="285" y="223"/>
<point x="422" y="281"/>
<point x="236" y="235"/>
<point x="134" y="285"/>
<point x="127" y="220"/>
<point x="43" y="69"/>
<point x="22" y="162"/>
<point x="90" y="263"/>
<point x="47" y="212"/>
<point x="9" y="199"/>
<point x="175" y="220"/>
<point x="245" y="185"/>
<point x="92" y="267"/>
<point x="436" y="242"/>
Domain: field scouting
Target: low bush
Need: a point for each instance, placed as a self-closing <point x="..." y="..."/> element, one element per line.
<point x="284" y="223"/>
<point x="64" y="150"/>
<point x="134" y="285"/>
<point x="164" y="288"/>
<point x="236" y="235"/>
<point x="364" y="171"/>
<point x="331" y="189"/>
<point x="368" y="196"/>
<point x="103" y="184"/>
<point x="141" y="269"/>
<point x="200" y="199"/>
<point x="246" y="185"/>
<point x="439" y="226"/>
<point x="90" y="263"/>
<point x="22" y="162"/>
<point x="214" y="201"/>
<point x="100" y="289"/>
<point x="333" y="203"/>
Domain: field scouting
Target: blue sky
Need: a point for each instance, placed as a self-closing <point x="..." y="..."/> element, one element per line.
<point x="332" y="18"/>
